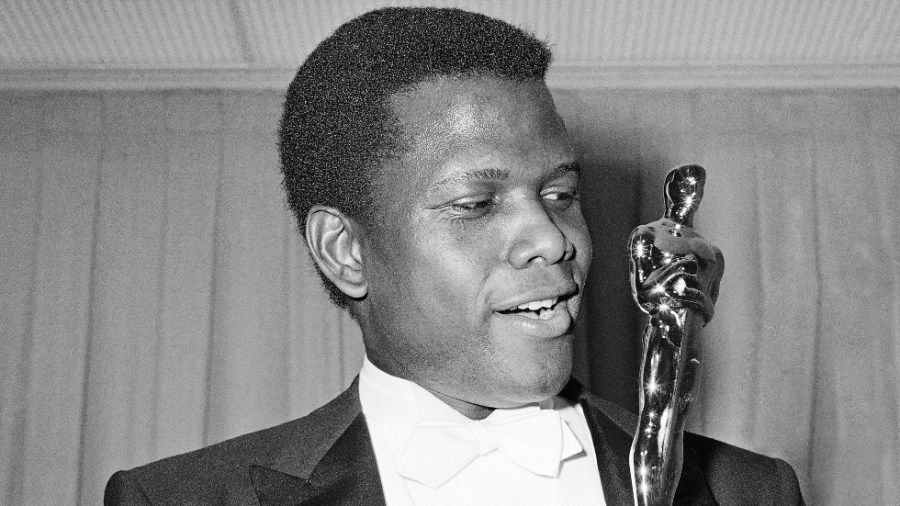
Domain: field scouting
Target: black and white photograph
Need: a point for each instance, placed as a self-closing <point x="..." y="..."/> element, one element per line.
<point x="449" y="252"/>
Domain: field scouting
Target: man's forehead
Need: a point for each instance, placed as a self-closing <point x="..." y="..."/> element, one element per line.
<point x="469" y="106"/>
<point x="450" y="125"/>
<point x="462" y="117"/>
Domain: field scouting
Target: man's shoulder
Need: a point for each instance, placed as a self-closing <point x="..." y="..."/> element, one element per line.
<point x="735" y="474"/>
<point x="220" y="473"/>
<point x="215" y="474"/>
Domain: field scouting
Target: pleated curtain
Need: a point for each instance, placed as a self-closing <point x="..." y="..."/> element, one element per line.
<point x="156" y="295"/>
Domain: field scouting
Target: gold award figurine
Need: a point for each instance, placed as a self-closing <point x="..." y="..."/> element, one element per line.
<point x="675" y="278"/>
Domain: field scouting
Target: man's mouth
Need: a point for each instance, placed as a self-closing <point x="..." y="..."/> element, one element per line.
<point x="543" y="309"/>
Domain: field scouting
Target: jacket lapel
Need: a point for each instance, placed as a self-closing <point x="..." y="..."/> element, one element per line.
<point x="693" y="488"/>
<point x="611" y="444"/>
<point x="612" y="431"/>
<point x="345" y="475"/>
<point x="274" y="487"/>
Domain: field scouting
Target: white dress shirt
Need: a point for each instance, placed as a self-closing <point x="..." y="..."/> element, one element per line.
<point x="394" y="406"/>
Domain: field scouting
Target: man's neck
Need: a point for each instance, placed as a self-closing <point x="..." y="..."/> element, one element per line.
<point x="467" y="409"/>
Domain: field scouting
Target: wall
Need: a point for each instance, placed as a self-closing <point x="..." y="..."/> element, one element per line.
<point x="156" y="297"/>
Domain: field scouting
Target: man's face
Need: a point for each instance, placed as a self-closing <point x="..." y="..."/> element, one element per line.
<point x="476" y="271"/>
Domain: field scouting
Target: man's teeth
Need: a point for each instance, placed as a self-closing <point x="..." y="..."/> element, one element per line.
<point x="538" y="304"/>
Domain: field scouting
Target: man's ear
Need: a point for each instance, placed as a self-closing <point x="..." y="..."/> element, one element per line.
<point x="334" y="241"/>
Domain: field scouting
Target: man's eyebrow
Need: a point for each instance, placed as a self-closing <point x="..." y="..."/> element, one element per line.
<point x="564" y="168"/>
<point x="500" y="175"/>
<point x="471" y="175"/>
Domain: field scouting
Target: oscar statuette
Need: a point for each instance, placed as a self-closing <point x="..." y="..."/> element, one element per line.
<point x="675" y="278"/>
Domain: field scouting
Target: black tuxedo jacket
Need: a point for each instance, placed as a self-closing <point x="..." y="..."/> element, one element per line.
<point x="327" y="458"/>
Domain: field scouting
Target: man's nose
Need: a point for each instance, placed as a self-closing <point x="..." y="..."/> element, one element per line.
<point x="537" y="238"/>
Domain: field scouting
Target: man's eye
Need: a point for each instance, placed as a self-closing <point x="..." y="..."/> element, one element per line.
<point x="560" y="198"/>
<point x="472" y="208"/>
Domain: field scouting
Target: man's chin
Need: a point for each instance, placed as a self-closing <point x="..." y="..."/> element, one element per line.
<point x="533" y="389"/>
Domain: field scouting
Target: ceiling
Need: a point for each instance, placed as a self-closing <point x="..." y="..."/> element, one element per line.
<point x="120" y="44"/>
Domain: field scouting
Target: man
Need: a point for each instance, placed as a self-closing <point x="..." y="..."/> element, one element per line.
<point x="439" y="195"/>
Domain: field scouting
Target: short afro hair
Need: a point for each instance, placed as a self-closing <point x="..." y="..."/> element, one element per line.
<point x="338" y="128"/>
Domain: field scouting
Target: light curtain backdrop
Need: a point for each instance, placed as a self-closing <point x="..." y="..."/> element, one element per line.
<point x="157" y="298"/>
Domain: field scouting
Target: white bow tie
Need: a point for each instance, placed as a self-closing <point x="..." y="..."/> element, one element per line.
<point x="439" y="449"/>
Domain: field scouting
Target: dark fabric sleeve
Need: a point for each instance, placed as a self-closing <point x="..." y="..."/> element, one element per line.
<point x="123" y="491"/>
